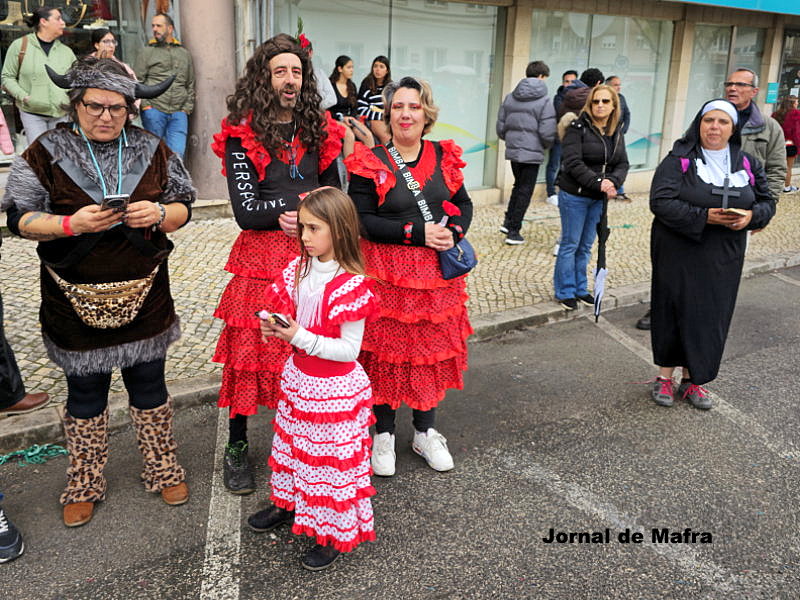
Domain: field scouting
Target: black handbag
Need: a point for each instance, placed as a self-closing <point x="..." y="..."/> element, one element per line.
<point x="453" y="262"/>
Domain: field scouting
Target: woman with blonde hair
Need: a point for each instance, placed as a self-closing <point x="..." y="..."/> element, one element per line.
<point x="594" y="164"/>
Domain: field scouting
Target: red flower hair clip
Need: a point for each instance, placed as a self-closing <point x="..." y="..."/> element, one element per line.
<point x="304" y="41"/>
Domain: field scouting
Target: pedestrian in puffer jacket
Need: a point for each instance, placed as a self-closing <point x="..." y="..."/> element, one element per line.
<point x="527" y="122"/>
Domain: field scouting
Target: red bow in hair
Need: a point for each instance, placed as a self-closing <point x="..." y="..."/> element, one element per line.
<point x="304" y="42"/>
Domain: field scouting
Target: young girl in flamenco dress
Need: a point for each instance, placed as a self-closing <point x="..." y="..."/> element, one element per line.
<point x="321" y="448"/>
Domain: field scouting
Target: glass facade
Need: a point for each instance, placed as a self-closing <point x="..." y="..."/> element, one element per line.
<point x="714" y="56"/>
<point x="451" y="45"/>
<point x="634" y="49"/>
<point x="790" y="65"/>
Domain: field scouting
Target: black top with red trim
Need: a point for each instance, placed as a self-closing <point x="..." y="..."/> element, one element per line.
<point x="387" y="208"/>
<point x="263" y="184"/>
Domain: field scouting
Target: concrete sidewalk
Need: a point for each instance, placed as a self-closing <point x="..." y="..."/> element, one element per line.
<point x="510" y="288"/>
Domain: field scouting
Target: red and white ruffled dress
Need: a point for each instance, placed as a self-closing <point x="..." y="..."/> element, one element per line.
<point x="251" y="375"/>
<point x="417" y="349"/>
<point x="321" y="449"/>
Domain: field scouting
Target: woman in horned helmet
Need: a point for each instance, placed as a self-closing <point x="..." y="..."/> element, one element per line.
<point x="100" y="195"/>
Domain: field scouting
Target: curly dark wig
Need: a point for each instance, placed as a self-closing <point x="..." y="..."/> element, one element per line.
<point x="254" y="94"/>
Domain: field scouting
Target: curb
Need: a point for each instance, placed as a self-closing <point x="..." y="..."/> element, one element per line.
<point x="44" y="426"/>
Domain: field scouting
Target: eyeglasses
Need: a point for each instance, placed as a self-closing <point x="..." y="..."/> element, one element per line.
<point x="599" y="100"/>
<point x="109" y="42"/>
<point x="95" y="110"/>
<point x="738" y="84"/>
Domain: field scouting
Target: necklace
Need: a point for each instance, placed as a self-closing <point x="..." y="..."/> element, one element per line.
<point x="97" y="165"/>
<point x="294" y="170"/>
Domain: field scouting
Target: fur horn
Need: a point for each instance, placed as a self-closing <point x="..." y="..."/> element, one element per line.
<point x="151" y="91"/>
<point x="61" y="81"/>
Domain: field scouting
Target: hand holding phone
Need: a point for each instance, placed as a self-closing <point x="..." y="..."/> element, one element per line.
<point x="116" y="202"/>
<point x="275" y="318"/>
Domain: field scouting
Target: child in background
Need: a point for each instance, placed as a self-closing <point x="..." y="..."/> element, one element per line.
<point x="321" y="448"/>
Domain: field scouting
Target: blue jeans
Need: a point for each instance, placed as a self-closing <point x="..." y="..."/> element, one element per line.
<point x="553" y="163"/>
<point x="579" y="219"/>
<point x="171" y="127"/>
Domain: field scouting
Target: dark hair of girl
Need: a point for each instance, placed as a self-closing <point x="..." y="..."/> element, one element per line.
<point x="341" y="61"/>
<point x="99" y="34"/>
<point x="369" y="80"/>
<point x="40" y="12"/>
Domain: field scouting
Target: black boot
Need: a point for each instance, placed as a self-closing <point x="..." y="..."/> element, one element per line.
<point x="644" y="322"/>
<point x="320" y="557"/>
<point x="237" y="472"/>
<point x="269" y="518"/>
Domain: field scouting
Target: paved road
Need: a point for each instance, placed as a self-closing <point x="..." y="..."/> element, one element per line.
<point x="549" y="433"/>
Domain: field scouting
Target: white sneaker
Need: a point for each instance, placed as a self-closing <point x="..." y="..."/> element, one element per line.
<point x="383" y="456"/>
<point x="552" y="200"/>
<point x="432" y="446"/>
<point x="789" y="189"/>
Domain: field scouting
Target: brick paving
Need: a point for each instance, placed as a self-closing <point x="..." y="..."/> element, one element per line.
<point x="507" y="277"/>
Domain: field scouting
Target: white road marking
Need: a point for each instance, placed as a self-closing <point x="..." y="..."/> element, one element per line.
<point x="783" y="448"/>
<point x="221" y="565"/>
<point x="787" y="279"/>
<point x="591" y="504"/>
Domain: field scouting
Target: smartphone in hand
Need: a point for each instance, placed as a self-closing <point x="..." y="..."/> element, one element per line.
<point x="277" y="318"/>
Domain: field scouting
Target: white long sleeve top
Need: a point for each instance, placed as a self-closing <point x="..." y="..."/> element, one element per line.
<point x="310" y="290"/>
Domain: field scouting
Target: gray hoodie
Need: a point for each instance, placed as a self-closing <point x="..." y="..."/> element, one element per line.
<point x="527" y="122"/>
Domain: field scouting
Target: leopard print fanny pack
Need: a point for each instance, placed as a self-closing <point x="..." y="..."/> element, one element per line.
<point x="106" y="305"/>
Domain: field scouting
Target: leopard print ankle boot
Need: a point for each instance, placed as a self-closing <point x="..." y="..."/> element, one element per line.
<point x="87" y="443"/>
<point x="157" y="445"/>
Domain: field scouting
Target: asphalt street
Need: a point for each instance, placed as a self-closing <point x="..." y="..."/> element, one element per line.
<point x="550" y="432"/>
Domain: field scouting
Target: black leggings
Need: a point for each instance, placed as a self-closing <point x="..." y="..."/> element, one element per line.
<point x="87" y="395"/>
<point x="384" y="418"/>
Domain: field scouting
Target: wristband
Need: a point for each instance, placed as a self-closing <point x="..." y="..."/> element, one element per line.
<point x="65" y="226"/>
<point x="163" y="216"/>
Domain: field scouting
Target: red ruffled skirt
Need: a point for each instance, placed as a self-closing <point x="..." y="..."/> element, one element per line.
<point x="251" y="375"/>
<point x="417" y="349"/>
<point x="320" y="456"/>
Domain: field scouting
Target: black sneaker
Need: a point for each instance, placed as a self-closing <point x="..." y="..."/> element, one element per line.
<point x="11" y="545"/>
<point x="569" y="303"/>
<point x="514" y="238"/>
<point x="624" y="197"/>
<point x="320" y="557"/>
<point x="237" y="473"/>
<point x="269" y="518"/>
<point x="587" y="299"/>
<point x="644" y="322"/>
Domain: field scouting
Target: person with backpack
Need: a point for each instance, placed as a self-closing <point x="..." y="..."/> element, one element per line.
<point x="706" y="194"/>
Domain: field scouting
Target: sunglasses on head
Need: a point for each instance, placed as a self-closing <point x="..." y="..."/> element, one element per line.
<point x="599" y="100"/>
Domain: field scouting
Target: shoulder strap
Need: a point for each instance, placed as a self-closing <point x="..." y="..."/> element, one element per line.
<point x="684" y="164"/>
<point x="414" y="188"/>
<point x="23" y="49"/>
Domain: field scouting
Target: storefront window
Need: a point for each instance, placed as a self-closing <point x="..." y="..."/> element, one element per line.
<point x="790" y="65"/>
<point x="713" y="57"/>
<point x="635" y="50"/>
<point x="451" y="45"/>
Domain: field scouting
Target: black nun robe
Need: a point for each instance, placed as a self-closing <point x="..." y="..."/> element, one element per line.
<point x="697" y="266"/>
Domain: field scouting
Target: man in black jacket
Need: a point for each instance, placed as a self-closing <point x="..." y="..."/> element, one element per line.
<point x="554" y="156"/>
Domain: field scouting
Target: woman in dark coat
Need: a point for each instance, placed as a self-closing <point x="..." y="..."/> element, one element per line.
<point x="697" y="248"/>
<point x="594" y="164"/>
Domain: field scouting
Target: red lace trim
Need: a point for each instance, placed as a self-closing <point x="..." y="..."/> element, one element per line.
<point x="339" y="464"/>
<point x="327" y="540"/>
<point x="333" y="417"/>
<point x="255" y="151"/>
<point x="452" y="165"/>
<point x="364" y="162"/>
<point x="331" y="146"/>
<point x="327" y="501"/>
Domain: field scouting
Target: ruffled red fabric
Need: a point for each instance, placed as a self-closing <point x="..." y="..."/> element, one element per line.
<point x="364" y="162"/>
<point x="405" y="266"/>
<point x="337" y="417"/>
<point x="328" y="540"/>
<point x="452" y="165"/>
<point x="261" y="254"/>
<point x="321" y="461"/>
<point x="328" y="502"/>
<point x="255" y="151"/>
<point x="360" y="303"/>
<point x="417" y="349"/>
<point x="244" y="391"/>
<point x="331" y="146"/>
